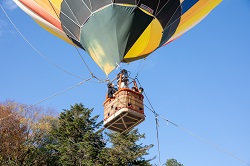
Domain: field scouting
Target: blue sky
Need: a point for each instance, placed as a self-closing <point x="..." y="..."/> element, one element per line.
<point x="200" y="82"/>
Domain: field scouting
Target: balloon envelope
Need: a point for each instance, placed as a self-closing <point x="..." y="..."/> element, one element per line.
<point x="114" y="31"/>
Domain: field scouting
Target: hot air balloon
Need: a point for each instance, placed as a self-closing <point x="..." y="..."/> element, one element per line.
<point x="115" y="31"/>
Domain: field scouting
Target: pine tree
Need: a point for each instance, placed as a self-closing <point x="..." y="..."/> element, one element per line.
<point x="125" y="150"/>
<point x="78" y="142"/>
<point x="173" y="162"/>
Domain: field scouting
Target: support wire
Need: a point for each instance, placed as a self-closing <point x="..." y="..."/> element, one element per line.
<point x="199" y="137"/>
<point x="42" y="55"/>
<point x="157" y="124"/>
<point x="48" y="98"/>
<point x="205" y="140"/>
<point x="189" y="132"/>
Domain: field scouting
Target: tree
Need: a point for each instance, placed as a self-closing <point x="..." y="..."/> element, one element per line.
<point x="24" y="130"/>
<point x="40" y="153"/>
<point x="173" y="162"/>
<point x="78" y="140"/>
<point x="28" y="137"/>
<point x="12" y="135"/>
<point x="125" y="150"/>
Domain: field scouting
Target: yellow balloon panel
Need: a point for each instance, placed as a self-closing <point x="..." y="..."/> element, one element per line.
<point x="65" y="38"/>
<point x="147" y="42"/>
<point x="53" y="7"/>
<point x="194" y="15"/>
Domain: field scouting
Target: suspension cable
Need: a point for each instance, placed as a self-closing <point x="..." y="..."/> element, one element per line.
<point x="140" y="68"/>
<point x="199" y="137"/>
<point x="191" y="133"/>
<point x="142" y="64"/>
<point x="152" y="108"/>
<point x="91" y="73"/>
<point x="50" y="97"/>
<point x="205" y="140"/>
<point x="158" y="140"/>
<point x="157" y="124"/>
<point x="31" y="45"/>
<point x="83" y="60"/>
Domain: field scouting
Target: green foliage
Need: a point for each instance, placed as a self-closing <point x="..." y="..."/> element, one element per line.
<point x="41" y="154"/>
<point x="23" y="134"/>
<point x="125" y="151"/>
<point x="12" y="135"/>
<point x="78" y="142"/>
<point x="173" y="162"/>
<point x="75" y="138"/>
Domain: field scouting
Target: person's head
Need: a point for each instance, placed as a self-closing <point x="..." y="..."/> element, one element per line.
<point x="141" y="90"/>
<point x="110" y="85"/>
<point x="125" y="80"/>
<point x="118" y="75"/>
<point x="123" y="71"/>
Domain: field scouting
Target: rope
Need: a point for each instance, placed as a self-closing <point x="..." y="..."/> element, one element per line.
<point x="152" y="108"/>
<point x="157" y="136"/>
<point x="42" y="55"/>
<point x="139" y="69"/>
<point x="48" y="98"/>
<point x="91" y="73"/>
<point x="156" y="121"/>
<point x="206" y="141"/>
<point x="189" y="132"/>
<point x="83" y="60"/>
<point x="80" y="83"/>
<point x="200" y="138"/>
